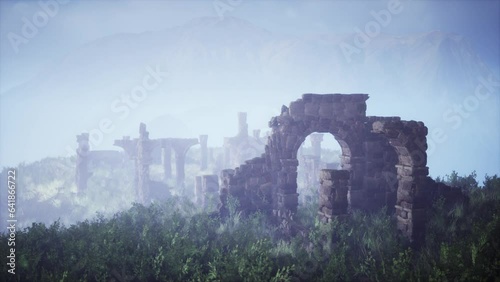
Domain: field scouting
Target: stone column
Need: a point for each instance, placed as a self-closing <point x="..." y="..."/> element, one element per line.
<point x="311" y="167"/>
<point x="242" y="124"/>
<point x="82" y="162"/>
<point x="144" y="148"/>
<point x="411" y="201"/>
<point x="333" y="193"/>
<point x="316" y="140"/>
<point x="204" y="151"/>
<point x="410" y="142"/>
<point x="167" y="161"/>
<point x="210" y="189"/>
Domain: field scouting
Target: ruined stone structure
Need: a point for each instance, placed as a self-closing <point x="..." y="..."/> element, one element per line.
<point x="86" y="159"/>
<point x="242" y="147"/>
<point x="141" y="151"/>
<point x="316" y="140"/>
<point x="383" y="163"/>
<point x="207" y="191"/>
<point x="312" y="166"/>
<point x="333" y="193"/>
<point x="143" y="161"/>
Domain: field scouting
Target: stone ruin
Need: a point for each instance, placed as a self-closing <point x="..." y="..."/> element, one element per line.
<point x="85" y="158"/>
<point x="383" y="164"/>
<point x="143" y="151"/>
<point x="242" y="147"/>
<point x="207" y="192"/>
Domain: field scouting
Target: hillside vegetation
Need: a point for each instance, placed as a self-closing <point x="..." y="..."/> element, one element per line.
<point x="173" y="241"/>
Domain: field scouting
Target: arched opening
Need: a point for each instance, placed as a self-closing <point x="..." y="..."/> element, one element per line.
<point x="318" y="151"/>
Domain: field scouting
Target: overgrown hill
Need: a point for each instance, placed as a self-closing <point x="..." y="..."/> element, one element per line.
<point x="172" y="241"/>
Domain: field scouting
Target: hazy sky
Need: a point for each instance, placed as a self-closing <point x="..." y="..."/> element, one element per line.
<point x="77" y="22"/>
<point x="27" y="50"/>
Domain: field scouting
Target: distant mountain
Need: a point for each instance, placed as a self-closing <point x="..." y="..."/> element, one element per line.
<point x="216" y="68"/>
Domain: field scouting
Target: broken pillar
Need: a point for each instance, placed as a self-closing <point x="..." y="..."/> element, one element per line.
<point x="166" y="160"/>
<point x="242" y="125"/>
<point x="144" y="148"/>
<point x="204" y="151"/>
<point x="82" y="162"/>
<point x="333" y="193"/>
<point x="210" y="192"/>
<point x="316" y="140"/>
<point x="311" y="166"/>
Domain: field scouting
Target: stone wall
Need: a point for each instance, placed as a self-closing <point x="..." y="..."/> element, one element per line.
<point x="383" y="163"/>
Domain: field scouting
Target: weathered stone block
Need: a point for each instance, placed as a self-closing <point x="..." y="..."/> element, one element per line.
<point x="289" y="162"/>
<point x="297" y="109"/>
<point x="326" y="183"/>
<point x="325" y="110"/>
<point x="311" y="109"/>
<point x="288" y="200"/>
<point x="291" y="178"/>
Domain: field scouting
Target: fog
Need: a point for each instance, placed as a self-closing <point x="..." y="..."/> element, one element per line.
<point x="424" y="64"/>
<point x="108" y="103"/>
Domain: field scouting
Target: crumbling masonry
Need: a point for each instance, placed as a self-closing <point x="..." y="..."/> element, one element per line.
<point x="383" y="164"/>
<point x="140" y="151"/>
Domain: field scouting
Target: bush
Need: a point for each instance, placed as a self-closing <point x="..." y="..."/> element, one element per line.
<point x="170" y="241"/>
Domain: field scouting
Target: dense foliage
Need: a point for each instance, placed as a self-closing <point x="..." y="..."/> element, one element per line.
<point x="173" y="241"/>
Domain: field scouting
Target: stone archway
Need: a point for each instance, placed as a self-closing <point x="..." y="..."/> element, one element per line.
<point x="340" y="115"/>
<point x="379" y="154"/>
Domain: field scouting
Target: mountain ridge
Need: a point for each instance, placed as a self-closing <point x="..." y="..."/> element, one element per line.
<point x="237" y="66"/>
